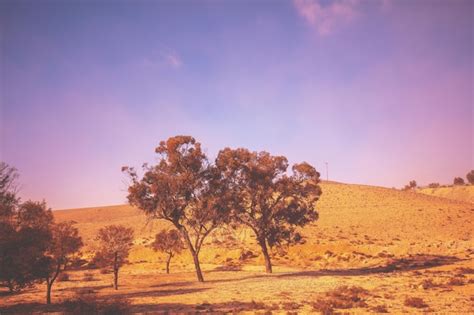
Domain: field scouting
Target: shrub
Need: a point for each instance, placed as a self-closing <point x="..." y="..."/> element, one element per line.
<point x="415" y="302"/>
<point x="428" y="284"/>
<point x="343" y="297"/>
<point x="89" y="304"/>
<point x="433" y="185"/>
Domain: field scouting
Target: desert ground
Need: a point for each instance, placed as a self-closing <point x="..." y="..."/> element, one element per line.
<point x="373" y="249"/>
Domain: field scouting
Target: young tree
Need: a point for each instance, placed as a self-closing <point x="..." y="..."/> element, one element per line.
<point x="168" y="242"/>
<point x="184" y="189"/>
<point x="470" y="177"/>
<point x="268" y="200"/>
<point x="115" y="244"/>
<point x="64" y="243"/>
<point x="458" y="181"/>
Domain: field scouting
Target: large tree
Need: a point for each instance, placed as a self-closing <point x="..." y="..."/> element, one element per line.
<point x="65" y="242"/>
<point x="24" y="240"/>
<point x="184" y="189"/>
<point x="266" y="199"/>
<point x="115" y="242"/>
<point x="168" y="242"/>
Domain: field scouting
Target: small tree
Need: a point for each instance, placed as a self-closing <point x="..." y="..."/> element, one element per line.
<point x="458" y="181"/>
<point x="168" y="242"/>
<point x="184" y="189"/>
<point x="115" y="242"/>
<point x="470" y="177"/>
<point x="65" y="242"/>
<point x="266" y="199"/>
<point x="411" y="185"/>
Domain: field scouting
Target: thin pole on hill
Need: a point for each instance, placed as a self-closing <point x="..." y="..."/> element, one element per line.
<point x="327" y="171"/>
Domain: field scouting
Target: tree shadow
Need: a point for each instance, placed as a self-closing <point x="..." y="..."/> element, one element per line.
<point x="411" y="263"/>
<point x="172" y="284"/>
<point x="155" y="293"/>
<point x="216" y="308"/>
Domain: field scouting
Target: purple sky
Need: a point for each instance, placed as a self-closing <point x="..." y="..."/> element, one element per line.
<point x="381" y="90"/>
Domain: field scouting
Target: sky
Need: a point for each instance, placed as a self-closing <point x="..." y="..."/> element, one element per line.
<point x="380" y="90"/>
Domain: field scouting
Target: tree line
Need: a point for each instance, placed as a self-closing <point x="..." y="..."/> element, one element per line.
<point x="240" y="188"/>
<point x="457" y="181"/>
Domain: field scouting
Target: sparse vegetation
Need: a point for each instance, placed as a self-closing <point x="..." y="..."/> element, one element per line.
<point x="415" y="302"/>
<point x="344" y="297"/>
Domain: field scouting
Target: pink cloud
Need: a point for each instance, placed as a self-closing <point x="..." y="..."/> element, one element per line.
<point x="173" y="60"/>
<point x="326" y="18"/>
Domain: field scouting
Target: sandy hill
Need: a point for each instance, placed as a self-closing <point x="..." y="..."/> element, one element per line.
<point x="409" y="252"/>
<point x="461" y="193"/>
<point x="358" y="226"/>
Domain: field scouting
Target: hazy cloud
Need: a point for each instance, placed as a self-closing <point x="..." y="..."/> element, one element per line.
<point x="325" y="18"/>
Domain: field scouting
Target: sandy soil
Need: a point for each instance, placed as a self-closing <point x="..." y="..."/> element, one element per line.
<point x="394" y="244"/>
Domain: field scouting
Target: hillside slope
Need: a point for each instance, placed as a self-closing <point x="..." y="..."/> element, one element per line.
<point x="461" y="193"/>
<point x="358" y="226"/>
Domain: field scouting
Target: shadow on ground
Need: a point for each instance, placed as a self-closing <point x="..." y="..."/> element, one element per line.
<point x="410" y="263"/>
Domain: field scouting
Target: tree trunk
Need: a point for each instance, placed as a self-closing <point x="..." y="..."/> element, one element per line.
<point x="168" y="262"/>
<point x="268" y="263"/>
<point x="116" y="269"/>
<point x="48" y="292"/>
<point x="116" y="279"/>
<point x="194" y="253"/>
<point x="197" y="266"/>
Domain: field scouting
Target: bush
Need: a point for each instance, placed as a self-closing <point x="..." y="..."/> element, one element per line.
<point x="415" y="302"/>
<point x="458" y="181"/>
<point x="433" y="185"/>
<point x="428" y="284"/>
<point x="343" y="298"/>
<point x="63" y="277"/>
